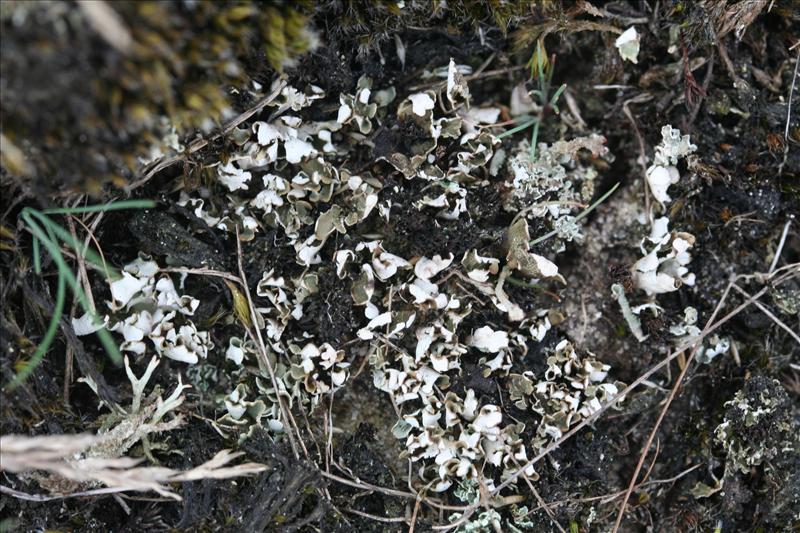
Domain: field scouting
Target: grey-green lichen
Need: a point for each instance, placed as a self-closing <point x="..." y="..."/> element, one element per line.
<point x="758" y="425"/>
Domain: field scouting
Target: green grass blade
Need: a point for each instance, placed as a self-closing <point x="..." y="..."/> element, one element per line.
<point x="113" y="206"/>
<point x="580" y="216"/>
<point x="66" y="273"/>
<point x="88" y="254"/>
<point x="598" y="202"/>
<point x="538" y="94"/>
<point x="37" y="257"/>
<point x="522" y="283"/>
<point x="557" y="94"/>
<point x="47" y="340"/>
<point x="551" y="68"/>
<point x="108" y="342"/>
<point x="519" y="128"/>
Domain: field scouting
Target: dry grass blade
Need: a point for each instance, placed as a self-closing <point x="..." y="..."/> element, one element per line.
<point x="108" y="24"/>
<point x="216" y="468"/>
<point x="48" y="497"/>
<point x="55" y="454"/>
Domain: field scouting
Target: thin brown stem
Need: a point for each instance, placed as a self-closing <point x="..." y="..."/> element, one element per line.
<point x="262" y="351"/>
<point x="157" y="166"/>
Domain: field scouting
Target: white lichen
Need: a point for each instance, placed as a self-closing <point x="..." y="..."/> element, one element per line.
<point x="146" y="305"/>
<point x="664" y="172"/>
<point x="664" y="267"/>
<point x="628" y="45"/>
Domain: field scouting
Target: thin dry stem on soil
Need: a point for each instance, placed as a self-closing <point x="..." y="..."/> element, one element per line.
<point x="392" y="492"/>
<point x="764" y="309"/>
<point x="778" y="251"/>
<point x="375" y="517"/>
<point x="608" y="498"/>
<point x="664" y="410"/>
<point x="540" y="501"/>
<point x="264" y="358"/>
<point x="642" y="160"/>
<point x="204" y="272"/>
<point x="166" y="162"/>
<point x="787" y="139"/>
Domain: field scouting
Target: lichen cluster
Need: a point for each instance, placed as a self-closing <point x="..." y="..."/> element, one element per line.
<point x="757" y="427"/>
<point x="666" y="254"/>
<point x="416" y="318"/>
<point x="402" y="272"/>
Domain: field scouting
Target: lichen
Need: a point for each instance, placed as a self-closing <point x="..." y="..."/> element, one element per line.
<point x="758" y="425"/>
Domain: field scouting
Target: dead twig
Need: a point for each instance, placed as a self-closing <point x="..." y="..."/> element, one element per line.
<point x="414" y="514"/>
<point x="764" y="309"/>
<point x="738" y="83"/>
<point x="664" y="409"/>
<point x="166" y="162"/>
<point x="374" y="517"/>
<point x="392" y="492"/>
<point x="262" y="353"/>
<point x="642" y="160"/>
<point x="706" y="84"/>
<point x="607" y="498"/>
<point x="744" y="217"/>
<point x="542" y="503"/>
<point x="789" y="103"/>
<point x="786" y="137"/>
<point x="204" y="272"/>
<point x="778" y="251"/>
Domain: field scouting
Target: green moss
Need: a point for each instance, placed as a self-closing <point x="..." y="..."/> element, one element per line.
<point x="98" y="110"/>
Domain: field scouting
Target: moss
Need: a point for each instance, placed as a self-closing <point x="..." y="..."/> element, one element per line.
<point x="183" y="61"/>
